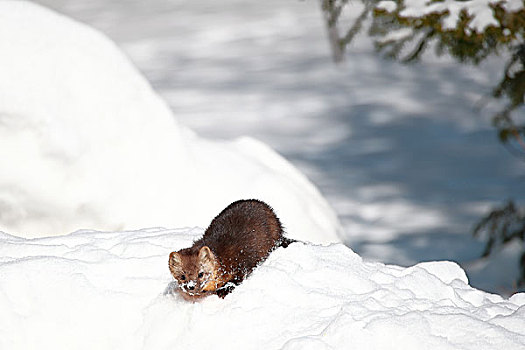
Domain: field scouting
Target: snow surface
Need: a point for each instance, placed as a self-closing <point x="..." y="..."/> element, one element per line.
<point x="86" y="143"/>
<point x="113" y="290"/>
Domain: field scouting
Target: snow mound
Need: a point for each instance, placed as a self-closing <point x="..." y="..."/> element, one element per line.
<point x="86" y="143"/>
<point x="112" y="290"/>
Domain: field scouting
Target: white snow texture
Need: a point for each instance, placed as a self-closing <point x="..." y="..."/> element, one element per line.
<point x="102" y="290"/>
<point x="80" y="135"/>
<point x="86" y="143"/>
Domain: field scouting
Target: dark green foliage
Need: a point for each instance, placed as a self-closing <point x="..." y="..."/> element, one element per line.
<point x="461" y="42"/>
<point x="467" y="46"/>
<point x="512" y="86"/>
<point x="502" y="226"/>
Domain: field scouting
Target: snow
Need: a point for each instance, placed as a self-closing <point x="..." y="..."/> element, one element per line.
<point x="396" y="35"/>
<point x="86" y="143"/>
<point x="109" y="290"/>
<point x="513" y="5"/>
<point x="480" y="11"/>
<point x="387" y="5"/>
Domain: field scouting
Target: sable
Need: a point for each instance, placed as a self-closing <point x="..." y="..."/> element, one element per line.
<point x="237" y="240"/>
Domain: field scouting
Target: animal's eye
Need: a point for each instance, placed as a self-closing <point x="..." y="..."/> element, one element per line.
<point x="201" y="274"/>
<point x="183" y="277"/>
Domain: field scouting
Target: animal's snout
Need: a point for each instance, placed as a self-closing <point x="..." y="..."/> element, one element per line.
<point x="191" y="285"/>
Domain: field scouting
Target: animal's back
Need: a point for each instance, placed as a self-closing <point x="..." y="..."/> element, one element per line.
<point x="243" y="235"/>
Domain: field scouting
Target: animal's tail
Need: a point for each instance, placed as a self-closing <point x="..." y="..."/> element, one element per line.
<point x="285" y="242"/>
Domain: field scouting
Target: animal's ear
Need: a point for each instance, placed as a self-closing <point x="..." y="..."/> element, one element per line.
<point x="206" y="258"/>
<point x="175" y="264"/>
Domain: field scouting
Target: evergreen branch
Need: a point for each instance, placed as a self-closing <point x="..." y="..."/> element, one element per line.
<point x="356" y="27"/>
<point x="420" y="47"/>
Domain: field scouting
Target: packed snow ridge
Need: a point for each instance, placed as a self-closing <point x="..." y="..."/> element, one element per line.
<point x="113" y="290"/>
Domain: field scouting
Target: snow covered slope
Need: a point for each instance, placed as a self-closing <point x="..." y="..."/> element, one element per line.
<point x="111" y="290"/>
<point x="86" y="143"/>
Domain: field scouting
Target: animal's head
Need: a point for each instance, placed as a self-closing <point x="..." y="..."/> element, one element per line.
<point x="196" y="274"/>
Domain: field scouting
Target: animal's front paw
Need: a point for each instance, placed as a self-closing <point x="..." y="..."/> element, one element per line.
<point x="225" y="290"/>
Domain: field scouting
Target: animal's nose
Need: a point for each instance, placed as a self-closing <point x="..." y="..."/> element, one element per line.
<point x="191" y="285"/>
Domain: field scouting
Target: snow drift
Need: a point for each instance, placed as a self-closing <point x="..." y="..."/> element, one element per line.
<point x="86" y="143"/>
<point x="112" y="290"/>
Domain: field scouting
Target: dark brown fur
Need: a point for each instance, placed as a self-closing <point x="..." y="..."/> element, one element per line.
<point x="237" y="240"/>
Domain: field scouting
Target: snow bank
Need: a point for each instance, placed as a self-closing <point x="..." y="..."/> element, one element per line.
<point x="111" y="290"/>
<point x="86" y="143"/>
